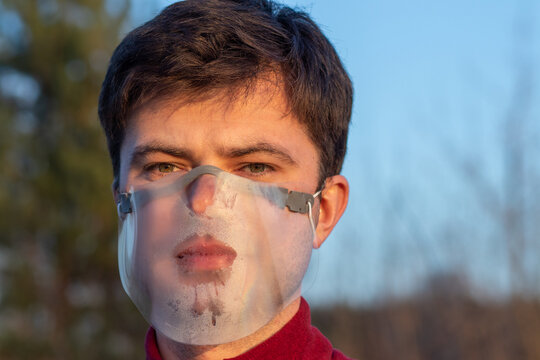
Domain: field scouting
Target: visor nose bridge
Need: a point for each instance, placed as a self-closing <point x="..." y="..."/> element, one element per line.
<point x="201" y="192"/>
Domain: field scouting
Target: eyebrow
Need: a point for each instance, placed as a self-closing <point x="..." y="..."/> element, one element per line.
<point x="257" y="148"/>
<point x="142" y="151"/>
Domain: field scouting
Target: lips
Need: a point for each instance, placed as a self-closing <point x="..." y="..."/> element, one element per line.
<point x="204" y="254"/>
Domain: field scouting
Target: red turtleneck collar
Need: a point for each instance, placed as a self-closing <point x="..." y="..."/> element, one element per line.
<point x="298" y="339"/>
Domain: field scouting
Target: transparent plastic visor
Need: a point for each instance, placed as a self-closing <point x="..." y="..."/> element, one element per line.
<point x="209" y="257"/>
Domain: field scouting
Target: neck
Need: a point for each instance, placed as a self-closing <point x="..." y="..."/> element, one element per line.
<point x="171" y="350"/>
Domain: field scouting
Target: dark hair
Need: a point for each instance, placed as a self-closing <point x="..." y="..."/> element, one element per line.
<point x="194" y="48"/>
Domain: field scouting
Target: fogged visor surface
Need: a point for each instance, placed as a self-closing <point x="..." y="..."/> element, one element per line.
<point x="209" y="257"/>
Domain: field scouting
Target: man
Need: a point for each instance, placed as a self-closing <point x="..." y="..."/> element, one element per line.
<point x="226" y="122"/>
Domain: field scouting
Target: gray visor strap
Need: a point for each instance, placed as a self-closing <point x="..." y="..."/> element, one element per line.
<point x="296" y="201"/>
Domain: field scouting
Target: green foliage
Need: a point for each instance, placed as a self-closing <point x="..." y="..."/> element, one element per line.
<point x="60" y="295"/>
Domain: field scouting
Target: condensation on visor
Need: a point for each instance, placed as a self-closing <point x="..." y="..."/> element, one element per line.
<point x="296" y="201"/>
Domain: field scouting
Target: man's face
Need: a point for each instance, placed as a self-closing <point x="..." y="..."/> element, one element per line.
<point x="209" y="250"/>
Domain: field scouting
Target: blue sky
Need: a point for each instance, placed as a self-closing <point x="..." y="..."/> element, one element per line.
<point x="433" y="82"/>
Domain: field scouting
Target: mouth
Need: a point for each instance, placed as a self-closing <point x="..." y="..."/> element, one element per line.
<point x="204" y="254"/>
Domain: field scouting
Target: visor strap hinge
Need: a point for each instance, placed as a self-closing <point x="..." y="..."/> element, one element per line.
<point x="124" y="205"/>
<point x="298" y="201"/>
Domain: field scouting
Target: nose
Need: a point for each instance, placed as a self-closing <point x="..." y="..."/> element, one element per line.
<point x="201" y="193"/>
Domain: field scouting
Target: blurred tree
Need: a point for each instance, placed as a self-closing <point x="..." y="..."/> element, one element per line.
<point x="60" y="295"/>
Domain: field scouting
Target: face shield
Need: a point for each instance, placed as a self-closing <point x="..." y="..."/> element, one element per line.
<point x="209" y="257"/>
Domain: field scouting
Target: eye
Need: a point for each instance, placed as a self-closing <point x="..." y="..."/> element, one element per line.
<point x="165" y="168"/>
<point x="157" y="170"/>
<point x="257" y="168"/>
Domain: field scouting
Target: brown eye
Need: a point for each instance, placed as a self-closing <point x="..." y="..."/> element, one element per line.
<point x="165" y="168"/>
<point x="256" y="168"/>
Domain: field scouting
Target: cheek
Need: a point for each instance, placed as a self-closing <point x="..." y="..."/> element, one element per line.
<point x="157" y="233"/>
<point x="295" y="249"/>
<point x="291" y="250"/>
<point x="156" y="224"/>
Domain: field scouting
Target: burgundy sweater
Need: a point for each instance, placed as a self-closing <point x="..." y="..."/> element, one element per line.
<point x="298" y="339"/>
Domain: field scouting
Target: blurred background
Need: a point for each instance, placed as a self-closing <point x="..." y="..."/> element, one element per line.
<point x="437" y="255"/>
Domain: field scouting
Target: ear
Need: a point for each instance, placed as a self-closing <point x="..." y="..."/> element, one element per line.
<point x="334" y="198"/>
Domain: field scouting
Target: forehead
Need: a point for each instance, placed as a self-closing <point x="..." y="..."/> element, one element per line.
<point x="265" y="107"/>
